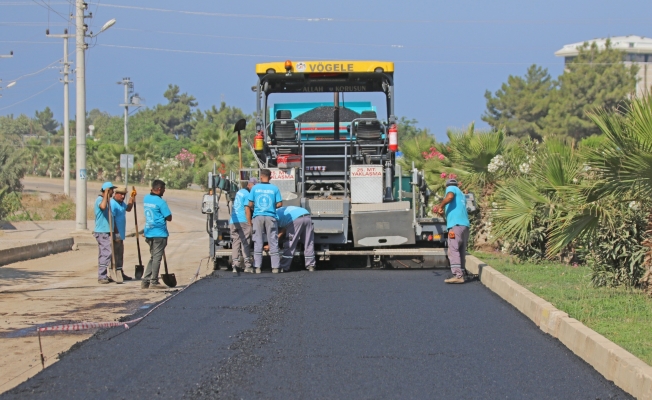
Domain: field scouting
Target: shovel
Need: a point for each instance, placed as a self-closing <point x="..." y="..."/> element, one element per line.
<point x="140" y="268"/>
<point x="116" y="276"/>
<point x="169" y="279"/>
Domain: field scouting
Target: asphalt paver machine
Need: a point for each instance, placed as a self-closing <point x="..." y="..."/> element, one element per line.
<point x="339" y="161"/>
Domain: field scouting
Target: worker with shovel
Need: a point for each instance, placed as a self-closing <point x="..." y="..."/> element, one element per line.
<point x="119" y="210"/>
<point x="457" y="222"/>
<point x="102" y="232"/>
<point x="157" y="213"/>
<point x="240" y="228"/>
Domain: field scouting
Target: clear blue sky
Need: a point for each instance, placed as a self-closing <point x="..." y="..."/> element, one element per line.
<point x="446" y="53"/>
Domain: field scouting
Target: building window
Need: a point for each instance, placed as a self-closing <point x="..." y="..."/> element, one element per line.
<point x="636" y="57"/>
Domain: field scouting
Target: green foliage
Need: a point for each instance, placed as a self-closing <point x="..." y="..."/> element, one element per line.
<point x="521" y="104"/>
<point x="64" y="211"/>
<point x="616" y="254"/>
<point x="175" y="117"/>
<point x="534" y="105"/>
<point x="408" y="130"/>
<point x="46" y="121"/>
<point x="594" y="79"/>
<point x="13" y="167"/>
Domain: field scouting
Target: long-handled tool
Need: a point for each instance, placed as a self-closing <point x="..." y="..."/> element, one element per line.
<point x="239" y="126"/>
<point x="169" y="279"/>
<point x="140" y="268"/>
<point x="116" y="276"/>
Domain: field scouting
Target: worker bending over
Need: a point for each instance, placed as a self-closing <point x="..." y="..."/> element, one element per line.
<point x="295" y="223"/>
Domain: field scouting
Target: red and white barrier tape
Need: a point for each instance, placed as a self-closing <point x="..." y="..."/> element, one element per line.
<point x="82" y="326"/>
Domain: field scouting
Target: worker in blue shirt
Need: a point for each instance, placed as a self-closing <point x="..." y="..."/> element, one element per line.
<point x="102" y="232"/>
<point x="241" y="229"/>
<point x="157" y="215"/>
<point x="264" y="199"/>
<point x="295" y="223"/>
<point x="457" y="222"/>
<point x="119" y="209"/>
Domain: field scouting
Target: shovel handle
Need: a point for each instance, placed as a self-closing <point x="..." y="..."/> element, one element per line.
<point x="165" y="263"/>
<point x="140" y="261"/>
<point x="111" y="234"/>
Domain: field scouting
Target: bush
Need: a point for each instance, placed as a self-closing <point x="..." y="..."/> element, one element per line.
<point x="65" y="211"/>
<point x="615" y="253"/>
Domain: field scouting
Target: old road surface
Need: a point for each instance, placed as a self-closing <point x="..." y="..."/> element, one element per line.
<point x="332" y="334"/>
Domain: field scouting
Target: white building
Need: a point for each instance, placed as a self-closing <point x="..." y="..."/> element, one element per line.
<point x="637" y="50"/>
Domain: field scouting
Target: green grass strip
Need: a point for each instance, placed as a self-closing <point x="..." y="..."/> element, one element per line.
<point x="622" y="315"/>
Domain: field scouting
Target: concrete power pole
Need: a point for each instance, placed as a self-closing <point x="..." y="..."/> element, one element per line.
<point x="129" y="89"/>
<point x="80" y="120"/>
<point x="66" y="112"/>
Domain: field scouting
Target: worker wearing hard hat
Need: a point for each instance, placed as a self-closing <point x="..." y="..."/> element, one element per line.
<point x="457" y="222"/>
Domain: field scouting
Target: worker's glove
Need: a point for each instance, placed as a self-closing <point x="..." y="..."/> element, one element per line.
<point x="133" y="191"/>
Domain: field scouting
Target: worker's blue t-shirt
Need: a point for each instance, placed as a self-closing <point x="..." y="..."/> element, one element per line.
<point x="456" y="210"/>
<point x="156" y="210"/>
<point x="288" y="214"/>
<point x="101" y="217"/>
<point x="119" y="210"/>
<point x="265" y="196"/>
<point x="238" y="215"/>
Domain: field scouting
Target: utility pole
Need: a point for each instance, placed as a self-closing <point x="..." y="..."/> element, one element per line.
<point x="131" y="100"/>
<point x="66" y="111"/>
<point x="80" y="119"/>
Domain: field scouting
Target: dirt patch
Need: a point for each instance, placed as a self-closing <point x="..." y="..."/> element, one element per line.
<point x="36" y="207"/>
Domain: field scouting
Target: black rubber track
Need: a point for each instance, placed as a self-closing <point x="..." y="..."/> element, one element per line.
<point x="328" y="335"/>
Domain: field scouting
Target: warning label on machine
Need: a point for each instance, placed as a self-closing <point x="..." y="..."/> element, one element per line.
<point x="280" y="175"/>
<point x="367" y="171"/>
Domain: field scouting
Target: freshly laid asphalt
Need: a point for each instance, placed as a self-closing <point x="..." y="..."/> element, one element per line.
<point x="327" y="335"/>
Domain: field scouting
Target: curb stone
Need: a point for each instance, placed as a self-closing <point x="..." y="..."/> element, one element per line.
<point x="612" y="361"/>
<point x="37" y="250"/>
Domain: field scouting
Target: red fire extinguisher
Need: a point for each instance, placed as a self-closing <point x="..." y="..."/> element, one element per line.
<point x="393" y="138"/>
<point x="258" y="141"/>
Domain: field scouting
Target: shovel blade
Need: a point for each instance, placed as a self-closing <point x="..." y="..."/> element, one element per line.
<point x="169" y="279"/>
<point x="140" y="269"/>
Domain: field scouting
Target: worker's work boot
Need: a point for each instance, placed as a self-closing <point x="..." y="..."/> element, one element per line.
<point x="259" y="270"/>
<point x="275" y="270"/>
<point x="156" y="286"/>
<point x="103" y="281"/>
<point x="144" y="285"/>
<point x="455" y="279"/>
<point x="125" y="277"/>
<point x="311" y="269"/>
<point x="249" y="270"/>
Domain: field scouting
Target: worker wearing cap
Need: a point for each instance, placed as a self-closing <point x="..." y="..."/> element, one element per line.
<point x="102" y="232"/>
<point x="295" y="223"/>
<point x="119" y="210"/>
<point x="240" y="228"/>
<point x="157" y="215"/>
<point x="264" y="199"/>
<point x="457" y="222"/>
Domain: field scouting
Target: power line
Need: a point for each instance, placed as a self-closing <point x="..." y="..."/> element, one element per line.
<point x="196" y="52"/>
<point x="47" y="7"/>
<point x="37" y="72"/>
<point x="30" y="97"/>
<point x="394" y="21"/>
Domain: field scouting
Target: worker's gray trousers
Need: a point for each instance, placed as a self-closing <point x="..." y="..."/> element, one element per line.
<point x="268" y="225"/>
<point x="300" y="230"/>
<point x="119" y="249"/>
<point x="156" y="250"/>
<point x="241" y="243"/>
<point x="104" y="253"/>
<point x="457" y="249"/>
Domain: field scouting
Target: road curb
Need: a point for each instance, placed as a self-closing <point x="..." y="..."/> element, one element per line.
<point x="37" y="250"/>
<point x="612" y="361"/>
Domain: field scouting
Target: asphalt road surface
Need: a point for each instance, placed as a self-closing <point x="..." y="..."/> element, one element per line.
<point x="326" y="335"/>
